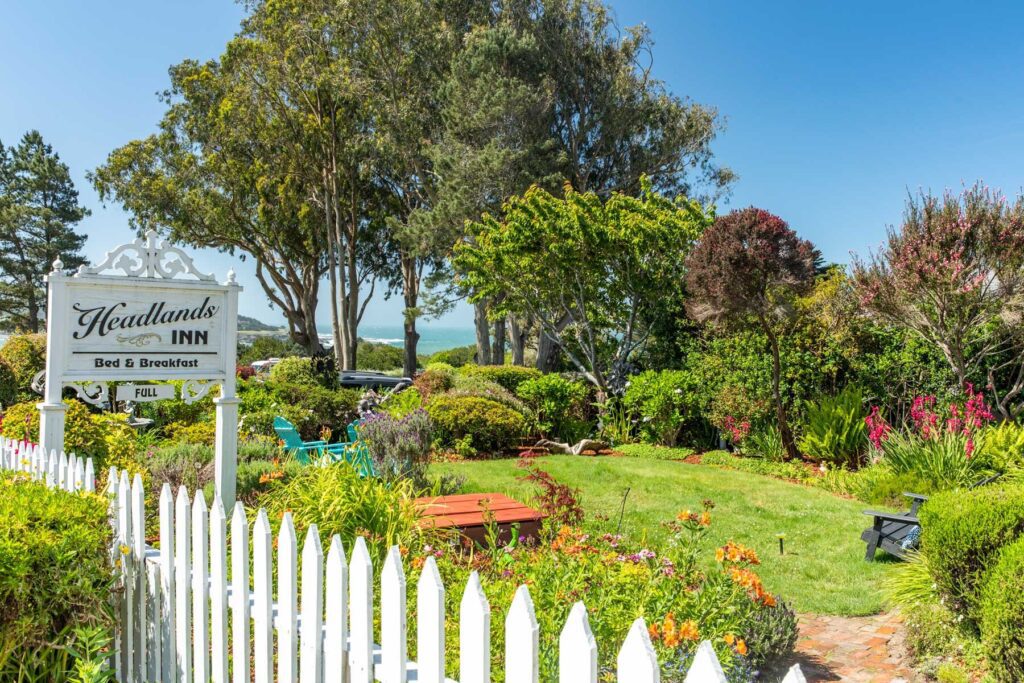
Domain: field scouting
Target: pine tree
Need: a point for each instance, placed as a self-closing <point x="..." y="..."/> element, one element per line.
<point x="38" y="207"/>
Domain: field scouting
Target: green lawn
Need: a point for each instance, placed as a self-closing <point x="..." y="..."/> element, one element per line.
<point x="822" y="571"/>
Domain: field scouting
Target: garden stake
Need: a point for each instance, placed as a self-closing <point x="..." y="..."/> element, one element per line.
<point x="622" y="510"/>
<point x="782" y="542"/>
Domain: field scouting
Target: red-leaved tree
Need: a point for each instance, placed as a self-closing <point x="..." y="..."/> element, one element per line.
<point x="954" y="274"/>
<point x="745" y="271"/>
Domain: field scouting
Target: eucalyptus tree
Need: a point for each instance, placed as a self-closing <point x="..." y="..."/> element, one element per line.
<point x="552" y="91"/>
<point x="39" y="208"/>
<point x="222" y="172"/>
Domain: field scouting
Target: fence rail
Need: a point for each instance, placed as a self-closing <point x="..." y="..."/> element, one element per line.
<point x="187" y="612"/>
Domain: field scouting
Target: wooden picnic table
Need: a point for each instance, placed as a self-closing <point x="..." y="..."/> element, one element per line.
<point x="469" y="513"/>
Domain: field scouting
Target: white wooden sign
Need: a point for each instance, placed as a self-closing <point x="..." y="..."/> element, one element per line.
<point x="145" y="313"/>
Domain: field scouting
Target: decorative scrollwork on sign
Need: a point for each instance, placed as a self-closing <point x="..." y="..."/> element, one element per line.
<point x="145" y="257"/>
<point x="194" y="389"/>
<point x="39" y="383"/>
<point x="143" y="339"/>
<point x="94" y="393"/>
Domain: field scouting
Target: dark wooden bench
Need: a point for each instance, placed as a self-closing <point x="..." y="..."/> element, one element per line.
<point x="470" y="513"/>
<point x="890" y="529"/>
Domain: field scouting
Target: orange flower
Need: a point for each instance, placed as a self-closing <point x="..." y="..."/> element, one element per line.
<point x="688" y="630"/>
<point x="418" y="562"/>
<point x="741" y="647"/>
<point x="705" y="518"/>
<point x="720" y="555"/>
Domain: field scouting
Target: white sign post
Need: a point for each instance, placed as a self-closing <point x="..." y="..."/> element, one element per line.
<point x="146" y="323"/>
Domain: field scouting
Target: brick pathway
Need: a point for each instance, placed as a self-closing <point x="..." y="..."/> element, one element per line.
<point x="854" y="649"/>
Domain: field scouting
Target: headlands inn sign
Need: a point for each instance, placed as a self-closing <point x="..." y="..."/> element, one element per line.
<point x="144" y="314"/>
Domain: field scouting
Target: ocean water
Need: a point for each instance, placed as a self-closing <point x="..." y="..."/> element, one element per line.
<point x="432" y="338"/>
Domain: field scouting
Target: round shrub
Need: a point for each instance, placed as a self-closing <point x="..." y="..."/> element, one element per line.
<point x="202" y="433"/>
<point x="25" y="355"/>
<point x="508" y="376"/>
<point x="293" y="370"/>
<point x="1002" y="615"/>
<point x="559" y="403"/>
<point x="382" y="357"/>
<point x="491" y="426"/>
<point x="962" y="533"/>
<point x="477" y="385"/>
<point x="176" y="410"/>
<point x="664" y="402"/>
<point x="55" y="579"/>
<point x="436" y="379"/>
<point x="312" y="409"/>
<point x="457" y="357"/>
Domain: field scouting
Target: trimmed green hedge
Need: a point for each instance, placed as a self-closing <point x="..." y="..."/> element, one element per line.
<point x="491" y="426"/>
<point x="508" y="376"/>
<point x="55" y="576"/>
<point x="1002" y="615"/>
<point x="962" y="533"/>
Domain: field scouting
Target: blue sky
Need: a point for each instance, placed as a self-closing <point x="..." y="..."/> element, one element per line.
<point x="834" y="110"/>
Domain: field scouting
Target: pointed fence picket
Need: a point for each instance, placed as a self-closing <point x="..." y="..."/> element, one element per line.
<point x="175" y="604"/>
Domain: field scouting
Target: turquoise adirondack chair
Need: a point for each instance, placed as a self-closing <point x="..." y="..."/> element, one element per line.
<point x="354" y="452"/>
<point x="294" y="444"/>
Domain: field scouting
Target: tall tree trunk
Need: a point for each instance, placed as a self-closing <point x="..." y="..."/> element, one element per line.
<point x="788" y="442"/>
<point x="333" y="252"/>
<point x="410" y="293"/>
<point x="547" y="352"/>
<point x="517" y="341"/>
<point x="498" y="347"/>
<point x="483" y="333"/>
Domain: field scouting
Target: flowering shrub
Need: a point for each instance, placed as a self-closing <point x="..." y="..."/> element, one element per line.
<point x="938" y="445"/>
<point x="436" y="379"/>
<point x="665" y="403"/>
<point x="682" y="600"/>
<point x="400" y="447"/>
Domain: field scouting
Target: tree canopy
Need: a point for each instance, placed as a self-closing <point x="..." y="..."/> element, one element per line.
<point x="38" y="209"/>
<point x="587" y="269"/>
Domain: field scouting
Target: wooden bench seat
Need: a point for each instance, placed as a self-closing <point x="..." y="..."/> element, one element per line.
<point x="469" y="514"/>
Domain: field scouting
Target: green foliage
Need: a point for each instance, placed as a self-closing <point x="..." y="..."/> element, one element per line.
<point x="293" y="370"/>
<point x="400" y="447"/>
<point x="55" y="577"/>
<point x="83" y="435"/>
<point x="940" y="460"/>
<point x="911" y="583"/>
<point x="176" y="410"/>
<point x="650" y="452"/>
<point x="480" y="386"/>
<point x="663" y="402"/>
<point x="436" y="379"/>
<point x="962" y="533"/>
<point x="622" y="578"/>
<point x="1002" y="614"/>
<point x="25" y="356"/>
<point x="38" y="210"/>
<point x="492" y="426"/>
<point x="559" y="404"/>
<point x="311" y="408"/>
<point x="264" y="348"/>
<point x="508" y="376"/>
<point x="8" y="386"/>
<point x="404" y="402"/>
<point x="834" y="428"/>
<point x="339" y="501"/>
<point x="793" y="471"/>
<point x="765" y="443"/>
<point x="875" y="484"/>
<point x="457" y="357"/>
<point x="191" y="433"/>
<point x="771" y="633"/>
<point x="604" y="261"/>
<point x="376" y="356"/>
<point x="1002" y="446"/>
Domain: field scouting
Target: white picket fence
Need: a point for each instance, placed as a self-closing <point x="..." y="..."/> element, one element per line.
<point x="67" y="473"/>
<point x="183" y="616"/>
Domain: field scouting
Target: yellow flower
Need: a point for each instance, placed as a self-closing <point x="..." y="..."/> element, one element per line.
<point x="124" y="549"/>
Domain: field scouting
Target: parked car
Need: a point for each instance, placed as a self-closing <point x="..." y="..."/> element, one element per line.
<point x="373" y="380"/>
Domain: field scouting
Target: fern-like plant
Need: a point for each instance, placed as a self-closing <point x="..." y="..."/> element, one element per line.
<point x="835" y="430"/>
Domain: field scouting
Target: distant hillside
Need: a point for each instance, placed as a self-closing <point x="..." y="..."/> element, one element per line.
<point x="247" y="324"/>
